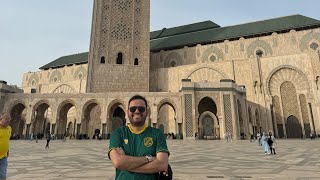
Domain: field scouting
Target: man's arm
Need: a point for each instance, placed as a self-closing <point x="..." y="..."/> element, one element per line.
<point x="124" y="162"/>
<point x="160" y="163"/>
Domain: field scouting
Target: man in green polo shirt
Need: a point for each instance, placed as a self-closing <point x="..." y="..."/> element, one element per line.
<point x="138" y="151"/>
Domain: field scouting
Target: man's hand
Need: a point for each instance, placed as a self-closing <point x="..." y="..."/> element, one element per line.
<point x="124" y="162"/>
<point x="159" y="164"/>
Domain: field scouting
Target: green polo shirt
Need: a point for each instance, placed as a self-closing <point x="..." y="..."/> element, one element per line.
<point x="148" y="141"/>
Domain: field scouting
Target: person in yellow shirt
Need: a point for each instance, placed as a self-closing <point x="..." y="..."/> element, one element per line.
<point x="5" y="133"/>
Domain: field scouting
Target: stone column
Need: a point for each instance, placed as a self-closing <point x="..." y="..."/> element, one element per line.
<point x="235" y="117"/>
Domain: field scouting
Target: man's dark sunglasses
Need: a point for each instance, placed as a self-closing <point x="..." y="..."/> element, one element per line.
<point x="141" y="109"/>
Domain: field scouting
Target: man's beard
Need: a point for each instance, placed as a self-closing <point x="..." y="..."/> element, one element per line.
<point x="139" y="123"/>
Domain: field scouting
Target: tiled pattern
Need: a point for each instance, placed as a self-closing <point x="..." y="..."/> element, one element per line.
<point x="73" y="159"/>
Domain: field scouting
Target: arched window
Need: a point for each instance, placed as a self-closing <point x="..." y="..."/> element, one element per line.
<point x="102" y="60"/>
<point x="119" y="58"/>
<point x="314" y="46"/>
<point x="213" y="58"/>
<point x="259" y="53"/>
<point x="136" y="61"/>
<point x="173" y="64"/>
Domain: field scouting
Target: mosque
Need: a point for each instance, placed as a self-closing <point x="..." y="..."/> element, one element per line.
<point x="201" y="80"/>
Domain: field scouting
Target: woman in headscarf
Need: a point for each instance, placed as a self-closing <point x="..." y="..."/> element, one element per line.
<point x="264" y="143"/>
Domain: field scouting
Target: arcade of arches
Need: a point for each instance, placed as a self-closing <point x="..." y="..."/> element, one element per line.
<point x="198" y="115"/>
<point x="89" y="120"/>
<point x="213" y="118"/>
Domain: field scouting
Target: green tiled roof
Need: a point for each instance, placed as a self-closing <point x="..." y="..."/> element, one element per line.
<point x="204" y="33"/>
<point x="67" y="60"/>
<point x="233" y="32"/>
<point x="183" y="29"/>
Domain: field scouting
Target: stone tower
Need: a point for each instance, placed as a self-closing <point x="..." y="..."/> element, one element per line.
<point x="120" y="47"/>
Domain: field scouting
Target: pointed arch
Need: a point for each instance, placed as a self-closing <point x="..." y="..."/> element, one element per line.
<point x="259" y="45"/>
<point x="212" y="51"/>
<point x="307" y="39"/>
<point x="64" y="88"/>
<point x="91" y="117"/>
<point x="206" y="74"/>
<point x="33" y="80"/>
<point x="55" y="77"/>
<point x="287" y="73"/>
<point x="65" y="110"/>
<point x="173" y="58"/>
<point x="80" y="73"/>
<point x="117" y="112"/>
<point x="17" y="111"/>
<point x="167" y="101"/>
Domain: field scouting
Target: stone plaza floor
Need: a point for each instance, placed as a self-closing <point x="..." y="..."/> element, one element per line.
<point x="190" y="159"/>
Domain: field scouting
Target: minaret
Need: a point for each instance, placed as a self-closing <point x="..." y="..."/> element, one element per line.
<point x="120" y="46"/>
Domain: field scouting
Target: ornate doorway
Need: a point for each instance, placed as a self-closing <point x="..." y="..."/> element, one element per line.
<point x="207" y="126"/>
<point x="208" y="123"/>
<point x="293" y="127"/>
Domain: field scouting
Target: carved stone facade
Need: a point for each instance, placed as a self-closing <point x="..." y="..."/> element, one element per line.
<point x="249" y="85"/>
<point x="119" y="46"/>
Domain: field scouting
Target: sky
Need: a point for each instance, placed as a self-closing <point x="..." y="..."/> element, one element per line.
<point x="36" y="32"/>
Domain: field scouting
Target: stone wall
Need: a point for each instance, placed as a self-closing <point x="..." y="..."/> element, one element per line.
<point x="68" y="79"/>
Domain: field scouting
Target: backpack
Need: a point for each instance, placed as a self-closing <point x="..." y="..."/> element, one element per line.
<point x="269" y="141"/>
<point x="161" y="176"/>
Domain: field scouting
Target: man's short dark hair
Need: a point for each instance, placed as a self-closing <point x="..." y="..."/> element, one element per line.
<point x="138" y="97"/>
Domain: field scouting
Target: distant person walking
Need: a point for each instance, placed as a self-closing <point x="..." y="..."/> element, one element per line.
<point x="259" y="138"/>
<point x="36" y="137"/>
<point x="65" y="137"/>
<point x="48" y="140"/>
<point x="31" y="137"/>
<point x="264" y="143"/>
<point x="271" y="142"/>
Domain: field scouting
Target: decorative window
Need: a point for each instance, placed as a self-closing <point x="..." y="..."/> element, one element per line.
<point x="80" y="76"/>
<point x="102" y="60"/>
<point x="259" y="53"/>
<point x="314" y="46"/>
<point x="120" y="58"/>
<point x="173" y="64"/>
<point x="136" y="61"/>
<point x="213" y="58"/>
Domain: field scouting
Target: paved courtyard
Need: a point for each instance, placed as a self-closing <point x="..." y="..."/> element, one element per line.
<point x="74" y="159"/>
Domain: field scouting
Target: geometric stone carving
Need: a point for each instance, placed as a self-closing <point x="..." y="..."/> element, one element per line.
<point x="80" y="73"/>
<point x="121" y="30"/>
<point x="289" y="100"/>
<point x="304" y="108"/>
<point x="33" y="80"/>
<point x="188" y="113"/>
<point x="211" y="52"/>
<point x="261" y="45"/>
<point x="55" y="77"/>
<point x="287" y="73"/>
<point x="228" y="114"/>
<point x="304" y="42"/>
<point x="172" y="60"/>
